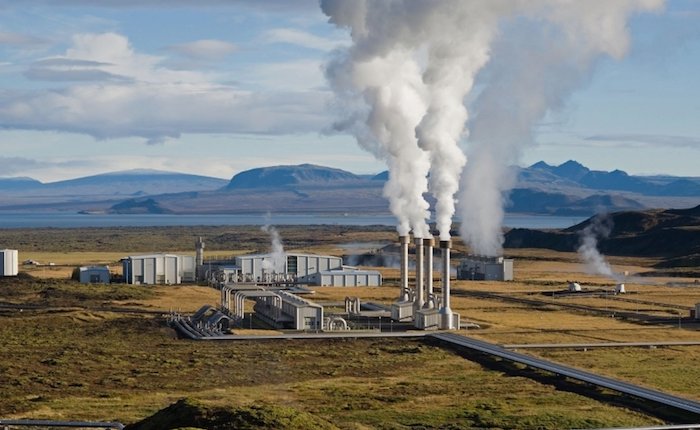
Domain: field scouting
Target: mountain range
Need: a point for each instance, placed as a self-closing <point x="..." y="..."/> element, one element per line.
<point x="567" y="189"/>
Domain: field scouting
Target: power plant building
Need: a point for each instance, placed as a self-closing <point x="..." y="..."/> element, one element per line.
<point x="319" y="270"/>
<point x="475" y="268"/>
<point x="254" y="267"/>
<point x="9" y="262"/>
<point x="155" y="269"/>
<point x="345" y="278"/>
<point x="94" y="275"/>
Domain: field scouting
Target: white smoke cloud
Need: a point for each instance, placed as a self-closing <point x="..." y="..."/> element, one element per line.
<point x="429" y="53"/>
<point x="541" y="56"/>
<point x="278" y="257"/>
<point x="599" y="227"/>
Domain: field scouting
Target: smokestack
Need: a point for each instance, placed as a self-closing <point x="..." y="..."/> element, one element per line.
<point x="403" y="294"/>
<point x="420" y="298"/>
<point x="199" y="247"/>
<point x="429" y="243"/>
<point x="445" y="311"/>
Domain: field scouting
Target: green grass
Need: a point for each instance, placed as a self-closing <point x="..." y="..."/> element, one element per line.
<point x="83" y="365"/>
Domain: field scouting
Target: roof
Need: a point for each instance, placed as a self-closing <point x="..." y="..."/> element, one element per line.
<point x="142" y="256"/>
<point x="101" y="268"/>
<point x="297" y="301"/>
<point x="288" y="254"/>
<point x="349" y="272"/>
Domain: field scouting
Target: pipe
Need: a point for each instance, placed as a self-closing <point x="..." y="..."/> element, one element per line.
<point x="445" y="311"/>
<point x="429" y="298"/>
<point x="403" y="294"/>
<point x="420" y="298"/>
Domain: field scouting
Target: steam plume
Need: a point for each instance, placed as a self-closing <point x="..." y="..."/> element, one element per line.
<point x="403" y="83"/>
<point x="278" y="256"/>
<point x="599" y="227"/>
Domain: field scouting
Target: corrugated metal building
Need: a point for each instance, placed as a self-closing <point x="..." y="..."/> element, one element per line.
<point x="475" y="268"/>
<point x="345" y="278"/>
<point x="298" y="265"/>
<point x="159" y="269"/>
<point x="94" y="275"/>
<point x="9" y="262"/>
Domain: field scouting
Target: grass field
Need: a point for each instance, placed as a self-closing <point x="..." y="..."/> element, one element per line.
<point x="83" y="357"/>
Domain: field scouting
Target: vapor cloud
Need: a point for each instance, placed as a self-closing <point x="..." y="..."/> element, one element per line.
<point x="403" y="82"/>
<point x="599" y="228"/>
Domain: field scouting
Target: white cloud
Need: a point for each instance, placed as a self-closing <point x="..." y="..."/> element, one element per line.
<point x="19" y="40"/>
<point x="647" y="140"/>
<point x="126" y="93"/>
<point x="205" y="49"/>
<point x="301" y="38"/>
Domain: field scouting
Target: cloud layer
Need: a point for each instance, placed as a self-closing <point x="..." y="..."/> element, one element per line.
<point x="114" y="91"/>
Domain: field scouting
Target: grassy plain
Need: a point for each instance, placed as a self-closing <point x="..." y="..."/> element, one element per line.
<point x="85" y="356"/>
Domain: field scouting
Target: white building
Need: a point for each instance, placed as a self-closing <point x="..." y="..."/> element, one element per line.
<point x="94" y="275"/>
<point x="9" y="262"/>
<point x="159" y="269"/>
<point x="345" y="278"/>
<point x="475" y="268"/>
<point x="253" y="267"/>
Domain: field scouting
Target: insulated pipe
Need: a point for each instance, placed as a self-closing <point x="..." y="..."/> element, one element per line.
<point x="445" y="311"/>
<point x="429" y="243"/>
<point x="420" y="298"/>
<point x="403" y="294"/>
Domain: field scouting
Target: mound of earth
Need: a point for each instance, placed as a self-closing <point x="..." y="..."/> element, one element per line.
<point x="673" y="234"/>
<point x="190" y="414"/>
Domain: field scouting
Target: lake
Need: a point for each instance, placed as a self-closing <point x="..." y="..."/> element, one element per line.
<point x="73" y="220"/>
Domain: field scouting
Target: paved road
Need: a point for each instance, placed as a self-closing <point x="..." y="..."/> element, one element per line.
<point x="570" y="372"/>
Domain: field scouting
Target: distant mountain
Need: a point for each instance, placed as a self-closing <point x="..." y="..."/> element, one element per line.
<point x="18" y="184"/>
<point x="284" y="176"/>
<point x="574" y="174"/>
<point x="136" y="182"/>
<point x="567" y="189"/>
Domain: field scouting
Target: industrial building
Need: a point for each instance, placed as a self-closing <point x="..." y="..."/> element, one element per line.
<point x="258" y="267"/>
<point x="319" y="270"/>
<point x="278" y="308"/>
<point x="154" y="269"/>
<point x="344" y="278"/>
<point x="9" y="262"/>
<point x="94" y="275"/>
<point x="477" y="268"/>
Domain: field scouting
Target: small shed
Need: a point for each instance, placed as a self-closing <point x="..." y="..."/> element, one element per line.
<point x="94" y="275"/>
<point x="9" y="262"/>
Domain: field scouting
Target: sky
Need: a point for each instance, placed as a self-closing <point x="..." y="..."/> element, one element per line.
<point x="215" y="87"/>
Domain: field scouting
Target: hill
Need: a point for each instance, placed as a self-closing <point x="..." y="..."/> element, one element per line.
<point x="285" y="176"/>
<point x="187" y="413"/>
<point x="672" y="234"/>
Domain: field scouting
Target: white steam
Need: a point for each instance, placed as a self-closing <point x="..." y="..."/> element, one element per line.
<point x="278" y="258"/>
<point x="403" y="82"/>
<point x="599" y="227"/>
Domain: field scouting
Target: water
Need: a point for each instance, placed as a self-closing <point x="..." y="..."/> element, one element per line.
<point x="74" y="220"/>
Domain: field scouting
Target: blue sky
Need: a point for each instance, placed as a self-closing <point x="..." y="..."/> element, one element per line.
<point x="215" y="87"/>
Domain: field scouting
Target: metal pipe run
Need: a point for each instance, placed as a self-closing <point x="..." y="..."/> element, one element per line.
<point x="420" y="297"/>
<point x="445" y="311"/>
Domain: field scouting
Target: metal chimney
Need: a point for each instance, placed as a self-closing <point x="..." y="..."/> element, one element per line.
<point x="403" y="294"/>
<point x="420" y="297"/>
<point x="429" y="243"/>
<point x="445" y="311"/>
